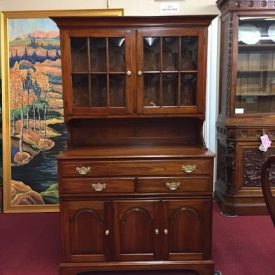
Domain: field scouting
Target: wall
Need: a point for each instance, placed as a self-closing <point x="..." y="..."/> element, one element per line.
<point x="138" y="7"/>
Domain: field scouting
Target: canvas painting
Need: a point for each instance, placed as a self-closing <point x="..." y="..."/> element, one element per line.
<point x="37" y="128"/>
<point x="33" y="124"/>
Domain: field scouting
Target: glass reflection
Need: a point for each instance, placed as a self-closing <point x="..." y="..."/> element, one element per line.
<point x="99" y="90"/>
<point x="151" y="88"/>
<point x="169" y="89"/>
<point x="151" y="58"/>
<point x="188" y="89"/>
<point x="79" y="54"/>
<point x="80" y="90"/>
<point x="189" y="53"/>
<point x="117" y="91"/>
<point x="117" y="54"/>
<point x="98" y="54"/>
<point x="170" y="54"/>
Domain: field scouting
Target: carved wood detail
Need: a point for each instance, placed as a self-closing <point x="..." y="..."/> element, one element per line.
<point x="226" y="162"/>
<point x="253" y="160"/>
<point x="245" y="4"/>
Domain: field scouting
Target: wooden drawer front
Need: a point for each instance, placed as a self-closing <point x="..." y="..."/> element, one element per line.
<point x="135" y="168"/>
<point x="175" y="184"/>
<point x="97" y="185"/>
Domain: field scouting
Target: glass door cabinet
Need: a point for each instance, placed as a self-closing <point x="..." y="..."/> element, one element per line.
<point x="246" y="103"/>
<point x="136" y="180"/>
<point x="162" y="73"/>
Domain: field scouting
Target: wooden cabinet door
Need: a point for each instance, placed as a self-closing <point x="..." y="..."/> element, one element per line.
<point x="187" y="229"/>
<point x="136" y="230"/>
<point x="170" y="71"/>
<point x="97" y="71"/>
<point x="87" y="231"/>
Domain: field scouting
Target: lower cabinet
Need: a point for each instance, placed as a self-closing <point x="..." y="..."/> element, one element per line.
<point x="124" y="230"/>
<point x="139" y="216"/>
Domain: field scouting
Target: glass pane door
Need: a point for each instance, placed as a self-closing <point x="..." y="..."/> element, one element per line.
<point x="170" y="71"/>
<point x="98" y="72"/>
<point x="255" y="89"/>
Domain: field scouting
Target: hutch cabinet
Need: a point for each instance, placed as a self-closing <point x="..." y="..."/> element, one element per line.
<point x="247" y="103"/>
<point x="136" y="179"/>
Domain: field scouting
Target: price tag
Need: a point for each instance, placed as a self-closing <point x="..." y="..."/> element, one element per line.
<point x="266" y="143"/>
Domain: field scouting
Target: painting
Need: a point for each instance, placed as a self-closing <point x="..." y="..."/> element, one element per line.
<point x="33" y="126"/>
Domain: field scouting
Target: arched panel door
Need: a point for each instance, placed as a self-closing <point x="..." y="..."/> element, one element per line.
<point x="87" y="232"/>
<point x="136" y="230"/>
<point x="187" y="224"/>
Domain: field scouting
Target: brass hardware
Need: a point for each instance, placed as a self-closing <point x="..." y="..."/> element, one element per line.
<point x="156" y="231"/>
<point x="83" y="170"/>
<point x="139" y="73"/>
<point x="129" y="72"/>
<point x="188" y="168"/>
<point x="107" y="232"/>
<point x="99" y="186"/>
<point x="165" y="231"/>
<point x="173" y="185"/>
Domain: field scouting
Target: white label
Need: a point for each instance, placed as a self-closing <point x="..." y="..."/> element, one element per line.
<point x="169" y="8"/>
<point x="239" y="110"/>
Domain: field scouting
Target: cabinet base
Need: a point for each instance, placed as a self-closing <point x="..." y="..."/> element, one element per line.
<point x="240" y="205"/>
<point x="139" y="268"/>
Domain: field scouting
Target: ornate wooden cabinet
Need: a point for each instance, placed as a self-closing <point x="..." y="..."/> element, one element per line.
<point x="136" y="180"/>
<point x="247" y="103"/>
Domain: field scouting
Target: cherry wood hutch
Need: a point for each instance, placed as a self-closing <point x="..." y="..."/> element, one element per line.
<point x="136" y="179"/>
<point x="247" y="103"/>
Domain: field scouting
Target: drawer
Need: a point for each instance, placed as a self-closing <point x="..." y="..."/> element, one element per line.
<point x="173" y="184"/>
<point x="97" y="185"/>
<point x="135" y="168"/>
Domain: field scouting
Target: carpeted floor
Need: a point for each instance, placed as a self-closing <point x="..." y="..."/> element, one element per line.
<point x="30" y="244"/>
<point x="243" y="245"/>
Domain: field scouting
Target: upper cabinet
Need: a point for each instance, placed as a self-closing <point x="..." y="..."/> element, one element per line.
<point x="255" y="88"/>
<point x="134" y="67"/>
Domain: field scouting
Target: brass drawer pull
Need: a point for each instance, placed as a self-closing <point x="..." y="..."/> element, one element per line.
<point x="99" y="186"/>
<point x="107" y="232"/>
<point x="173" y="185"/>
<point x="165" y="231"/>
<point x="156" y="231"/>
<point x="188" y="168"/>
<point x="83" y="170"/>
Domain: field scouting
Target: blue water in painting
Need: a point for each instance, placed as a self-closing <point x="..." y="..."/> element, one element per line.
<point x="41" y="172"/>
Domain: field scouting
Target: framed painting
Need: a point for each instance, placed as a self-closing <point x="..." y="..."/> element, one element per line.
<point x="33" y="127"/>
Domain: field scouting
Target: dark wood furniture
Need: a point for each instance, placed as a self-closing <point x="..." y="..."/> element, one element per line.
<point x="136" y="180"/>
<point x="267" y="178"/>
<point x="247" y="103"/>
